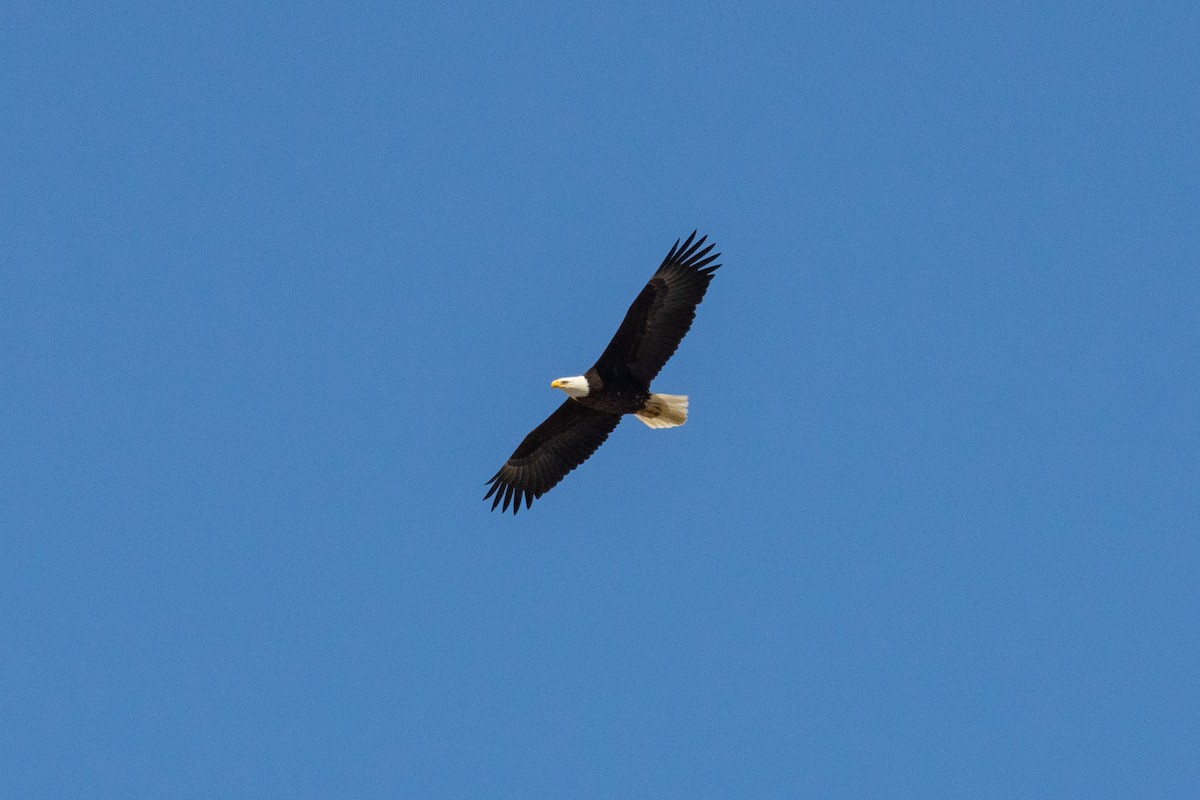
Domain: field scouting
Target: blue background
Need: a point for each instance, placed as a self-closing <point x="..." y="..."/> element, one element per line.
<point x="284" y="284"/>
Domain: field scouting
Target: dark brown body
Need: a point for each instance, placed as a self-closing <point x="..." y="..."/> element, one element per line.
<point x="614" y="394"/>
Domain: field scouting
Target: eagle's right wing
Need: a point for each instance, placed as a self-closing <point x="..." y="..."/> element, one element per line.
<point x="560" y="444"/>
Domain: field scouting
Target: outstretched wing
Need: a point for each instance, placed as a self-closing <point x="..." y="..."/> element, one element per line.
<point x="662" y="314"/>
<point x="550" y="451"/>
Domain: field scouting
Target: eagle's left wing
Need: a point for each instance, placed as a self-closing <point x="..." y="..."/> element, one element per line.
<point x="662" y="314"/>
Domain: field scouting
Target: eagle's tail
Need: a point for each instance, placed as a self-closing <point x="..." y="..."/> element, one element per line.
<point x="664" y="410"/>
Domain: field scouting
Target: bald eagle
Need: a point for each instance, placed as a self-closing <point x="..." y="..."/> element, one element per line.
<point x="618" y="383"/>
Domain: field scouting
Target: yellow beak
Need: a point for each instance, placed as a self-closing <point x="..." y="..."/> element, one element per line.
<point x="555" y="384"/>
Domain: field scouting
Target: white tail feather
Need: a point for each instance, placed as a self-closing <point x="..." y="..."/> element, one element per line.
<point x="664" y="410"/>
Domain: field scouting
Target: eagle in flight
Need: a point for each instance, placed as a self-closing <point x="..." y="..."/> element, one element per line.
<point x="617" y="384"/>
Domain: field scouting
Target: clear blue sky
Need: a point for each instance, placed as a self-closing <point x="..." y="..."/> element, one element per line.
<point x="284" y="284"/>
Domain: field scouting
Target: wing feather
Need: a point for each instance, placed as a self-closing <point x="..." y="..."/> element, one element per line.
<point x="662" y="314"/>
<point x="560" y="444"/>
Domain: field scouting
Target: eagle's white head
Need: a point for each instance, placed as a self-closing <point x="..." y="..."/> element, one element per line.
<point x="575" y="387"/>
